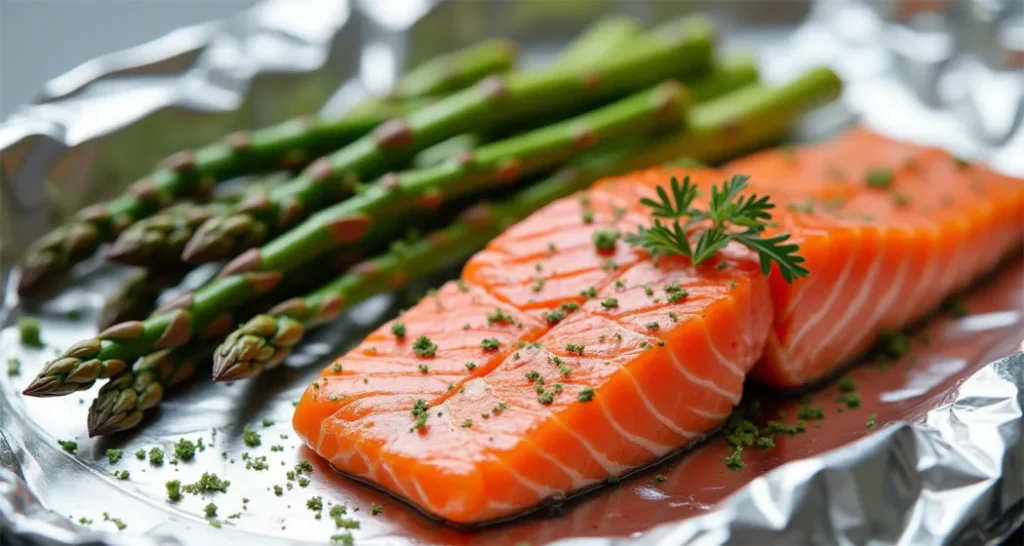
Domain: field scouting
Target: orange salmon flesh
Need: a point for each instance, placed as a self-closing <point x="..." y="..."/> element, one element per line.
<point x="556" y="363"/>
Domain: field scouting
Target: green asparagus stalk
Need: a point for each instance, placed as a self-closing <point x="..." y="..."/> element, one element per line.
<point x="137" y="296"/>
<point x="725" y="76"/>
<point x="492" y="102"/>
<point x="291" y="145"/>
<point x="597" y="41"/>
<point x="160" y="238"/>
<point x="447" y="73"/>
<point x="67" y="377"/>
<point x="605" y="37"/>
<point x="259" y="271"/>
<point x="122" y="400"/>
<point x="447" y="149"/>
<point x="748" y="118"/>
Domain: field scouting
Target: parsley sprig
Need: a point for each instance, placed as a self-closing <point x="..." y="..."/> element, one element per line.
<point x="730" y="216"/>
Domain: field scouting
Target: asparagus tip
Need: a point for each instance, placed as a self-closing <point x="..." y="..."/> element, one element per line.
<point x="33" y="278"/>
<point x="45" y="386"/>
<point x="231" y="365"/>
<point x="54" y="254"/>
<point x="224" y="237"/>
<point x="125" y="254"/>
<point x="100" y="425"/>
<point x="199" y="252"/>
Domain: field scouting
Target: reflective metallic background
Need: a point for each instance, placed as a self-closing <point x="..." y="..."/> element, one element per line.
<point x="39" y="40"/>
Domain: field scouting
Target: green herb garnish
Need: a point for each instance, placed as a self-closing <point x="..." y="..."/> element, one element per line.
<point x="29" y="331"/>
<point x="576" y="348"/>
<point x="116" y="521"/>
<point x="114" y="455"/>
<point x="735" y="461"/>
<point x="156" y="456"/>
<point x="424" y="347"/>
<point x="208" y="483"/>
<point x="498" y="316"/>
<point x="732" y="217"/>
<point x="250" y="437"/>
<point x="185" y="450"/>
<point x="879" y="178"/>
<point x="421" y="412"/>
<point x="894" y="343"/>
<point x="604" y="240"/>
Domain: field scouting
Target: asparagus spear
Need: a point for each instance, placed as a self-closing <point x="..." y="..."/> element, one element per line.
<point x="453" y="71"/>
<point x="122" y="400"/>
<point x="291" y="144"/>
<point x="748" y="118"/>
<point x="447" y="149"/>
<point x="724" y="77"/>
<point x="258" y="271"/>
<point x="494" y="101"/>
<point x="160" y="238"/>
<point x="600" y="39"/>
<point x="137" y="296"/>
<point x="265" y="340"/>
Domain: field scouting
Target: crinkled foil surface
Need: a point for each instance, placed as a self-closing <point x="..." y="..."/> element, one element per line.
<point x="944" y="462"/>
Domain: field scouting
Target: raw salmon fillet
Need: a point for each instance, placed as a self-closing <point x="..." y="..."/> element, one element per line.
<point x="573" y="388"/>
<point x="560" y="360"/>
<point x="889" y="230"/>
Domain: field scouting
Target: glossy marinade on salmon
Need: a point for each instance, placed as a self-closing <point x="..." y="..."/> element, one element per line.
<point x="564" y="357"/>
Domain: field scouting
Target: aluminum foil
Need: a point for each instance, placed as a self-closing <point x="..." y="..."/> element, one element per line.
<point x="942" y="463"/>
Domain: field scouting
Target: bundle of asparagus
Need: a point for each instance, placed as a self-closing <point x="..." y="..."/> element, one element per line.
<point x="291" y="144"/>
<point x="610" y="61"/>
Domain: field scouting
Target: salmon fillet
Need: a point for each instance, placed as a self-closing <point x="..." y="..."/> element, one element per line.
<point x="889" y="230"/>
<point x="564" y="357"/>
<point x="574" y="388"/>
